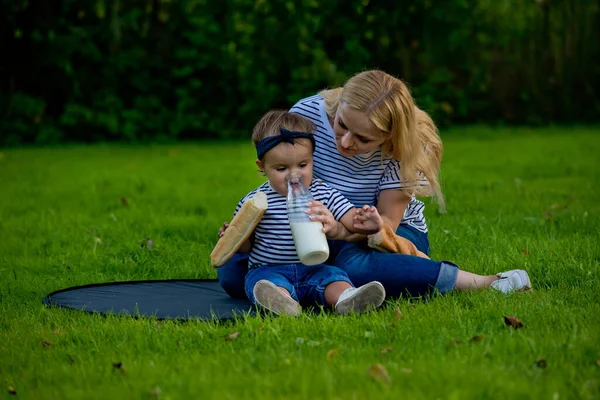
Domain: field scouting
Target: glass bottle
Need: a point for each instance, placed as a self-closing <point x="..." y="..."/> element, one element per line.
<point x="309" y="239"/>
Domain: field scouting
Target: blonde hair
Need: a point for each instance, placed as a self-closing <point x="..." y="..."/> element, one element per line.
<point x="413" y="137"/>
<point x="271" y="123"/>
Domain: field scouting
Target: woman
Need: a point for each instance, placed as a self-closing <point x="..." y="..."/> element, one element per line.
<point x="366" y="130"/>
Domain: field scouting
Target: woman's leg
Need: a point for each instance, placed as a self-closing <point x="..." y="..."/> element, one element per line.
<point x="399" y="273"/>
<point x="232" y="275"/>
<point x="404" y="274"/>
<point x="418" y="238"/>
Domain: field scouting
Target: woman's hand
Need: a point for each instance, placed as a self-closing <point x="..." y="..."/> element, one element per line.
<point x="367" y="219"/>
<point x="318" y="212"/>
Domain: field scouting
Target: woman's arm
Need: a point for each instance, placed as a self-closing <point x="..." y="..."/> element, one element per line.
<point x="391" y="205"/>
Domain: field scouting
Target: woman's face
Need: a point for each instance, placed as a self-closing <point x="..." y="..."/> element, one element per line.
<point x="354" y="133"/>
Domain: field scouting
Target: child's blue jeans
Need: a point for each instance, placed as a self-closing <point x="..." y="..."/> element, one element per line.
<point x="305" y="284"/>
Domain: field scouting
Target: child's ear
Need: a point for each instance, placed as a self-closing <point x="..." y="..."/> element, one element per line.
<point x="259" y="164"/>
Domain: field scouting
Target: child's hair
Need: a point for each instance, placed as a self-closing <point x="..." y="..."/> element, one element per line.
<point x="413" y="137"/>
<point x="271" y="123"/>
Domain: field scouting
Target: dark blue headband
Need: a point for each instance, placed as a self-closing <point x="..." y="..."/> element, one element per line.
<point x="268" y="143"/>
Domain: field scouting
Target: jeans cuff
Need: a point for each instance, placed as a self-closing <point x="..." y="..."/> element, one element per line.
<point x="447" y="277"/>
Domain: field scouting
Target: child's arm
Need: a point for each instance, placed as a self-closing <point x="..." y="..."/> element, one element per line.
<point x="353" y="226"/>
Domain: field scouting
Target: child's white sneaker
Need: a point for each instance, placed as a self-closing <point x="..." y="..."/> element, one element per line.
<point x="370" y="295"/>
<point x="512" y="281"/>
<point x="269" y="296"/>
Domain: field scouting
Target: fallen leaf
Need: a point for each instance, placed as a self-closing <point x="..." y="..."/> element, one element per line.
<point x="513" y="321"/>
<point x="260" y="328"/>
<point x="12" y="390"/>
<point x="154" y="392"/>
<point x="379" y="373"/>
<point x="398" y="314"/>
<point x="331" y="354"/>
<point x="541" y="363"/>
<point x="120" y="367"/>
<point x="232" y="336"/>
<point x="386" y="349"/>
<point x="46" y="343"/>
<point x="477" y="338"/>
<point x="124" y="201"/>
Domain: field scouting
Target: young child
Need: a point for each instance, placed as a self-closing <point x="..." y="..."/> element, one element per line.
<point x="276" y="279"/>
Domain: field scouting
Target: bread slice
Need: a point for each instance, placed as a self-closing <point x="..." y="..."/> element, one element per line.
<point x="239" y="230"/>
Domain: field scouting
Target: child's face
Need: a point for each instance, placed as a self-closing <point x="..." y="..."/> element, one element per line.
<point x="285" y="159"/>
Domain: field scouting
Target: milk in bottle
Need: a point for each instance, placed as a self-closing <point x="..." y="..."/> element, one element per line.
<point x="309" y="239"/>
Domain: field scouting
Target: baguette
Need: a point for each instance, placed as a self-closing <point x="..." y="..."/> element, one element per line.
<point x="387" y="241"/>
<point x="239" y="230"/>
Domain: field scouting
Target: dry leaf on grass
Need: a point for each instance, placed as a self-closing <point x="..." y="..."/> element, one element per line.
<point x="331" y="354"/>
<point x="386" y="349"/>
<point x="513" y="321"/>
<point x="232" y="336"/>
<point x="12" y="390"/>
<point x="119" y="366"/>
<point x="380" y="374"/>
<point x="260" y="328"/>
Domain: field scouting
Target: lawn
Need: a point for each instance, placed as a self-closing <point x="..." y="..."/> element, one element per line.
<point x="516" y="198"/>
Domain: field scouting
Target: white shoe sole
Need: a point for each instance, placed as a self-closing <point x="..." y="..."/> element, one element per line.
<point x="270" y="297"/>
<point x="370" y="296"/>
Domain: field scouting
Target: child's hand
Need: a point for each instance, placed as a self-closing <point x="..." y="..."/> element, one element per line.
<point x="244" y="248"/>
<point x="223" y="229"/>
<point x="318" y="212"/>
<point x="367" y="219"/>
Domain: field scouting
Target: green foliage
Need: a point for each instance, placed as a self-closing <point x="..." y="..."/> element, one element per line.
<point x="163" y="70"/>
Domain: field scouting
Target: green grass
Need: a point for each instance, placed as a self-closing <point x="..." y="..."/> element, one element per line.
<point x="516" y="198"/>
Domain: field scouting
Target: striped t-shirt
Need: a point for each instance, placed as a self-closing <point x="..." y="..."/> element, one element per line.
<point x="359" y="178"/>
<point x="273" y="242"/>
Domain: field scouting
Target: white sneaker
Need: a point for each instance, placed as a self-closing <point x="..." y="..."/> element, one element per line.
<point x="370" y="295"/>
<point x="269" y="296"/>
<point x="512" y="281"/>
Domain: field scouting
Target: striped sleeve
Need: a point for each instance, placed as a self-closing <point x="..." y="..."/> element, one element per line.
<point x="332" y="199"/>
<point x="392" y="179"/>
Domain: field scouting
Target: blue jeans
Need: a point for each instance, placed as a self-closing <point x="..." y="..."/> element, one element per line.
<point x="305" y="284"/>
<point x="399" y="273"/>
